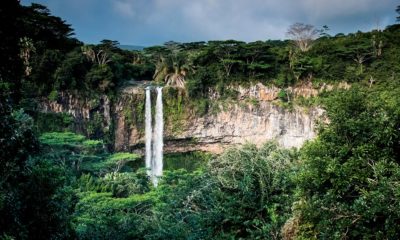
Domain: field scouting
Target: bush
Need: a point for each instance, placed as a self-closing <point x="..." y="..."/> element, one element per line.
<point x="53" y="95"/>
<point x="244" y="193"/>
<point x="101" y="216"/>
<point x="53" y="122"/>
<point x="348" y="183"/>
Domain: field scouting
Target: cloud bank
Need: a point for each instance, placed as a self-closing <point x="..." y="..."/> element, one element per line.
<point x="150" y="22"/>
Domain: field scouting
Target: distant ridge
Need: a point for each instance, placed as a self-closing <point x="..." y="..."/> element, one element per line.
<point x="131" y="47"/>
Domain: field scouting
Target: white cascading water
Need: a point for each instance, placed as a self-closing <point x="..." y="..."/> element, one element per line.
<point x="148" y="132"/>
<point x="154" y="140"/>
<point x="157" y="166"/>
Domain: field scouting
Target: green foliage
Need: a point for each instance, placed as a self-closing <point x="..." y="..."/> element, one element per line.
<point x="17" y="145"/>
<point x="189" y="161"/>
<point x="282" y="95"/>
<point x="244" y="193"/>
<point x="175" y="109"/>
<point x="100" y="76"/>
<point x="61" y="63"/>
<point x="53" y="95"/>
<point x="49" y="211"/>
<point x="92" y="143"/>
<point x="84" y="155"/>
<point x="65" y="186"/>
<point x="17" y="140"/>
<point x="126" y="184"/>
<point x="100" y="216"/>
<point x="71" y="72"/>
<point x="307" y="102"/>
<point x="201" y="106"/>
<point x="95" y="127"/>
<point x="52" y="122"/>
<point x="61" y="138"/>
<point x="115" y="162"/>
<point x="198" y="85"/>
<point x="122" y="156"/>
<point x="34" y="197"/>
<point x="350" y="172"/>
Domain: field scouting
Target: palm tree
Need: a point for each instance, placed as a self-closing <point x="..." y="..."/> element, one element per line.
<point x="172" y="64"/>
<point x="177" y="64"/>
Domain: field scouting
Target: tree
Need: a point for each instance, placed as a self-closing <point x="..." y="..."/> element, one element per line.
<point x="100" y="57"/>
<point x="44" y="41"/>
<point x="360" y="59"/>
<point x="11" y="68"/>
<point x="256" y="55"/>
<point x="100" y="77"/>
<point x="45" y="30"/>
<point x="43" y="77"/>
<point x="157" y="56"/>
<point x="70" y="74"/>
<point x="33" y="201"/>
<point x="243" y="194"/>
<point x="172" y="62"/>
<point x="349" y="178"/>
<point x="226" y="52"/>
<point x="177" y="62"/>
<point x="302" y="35"/>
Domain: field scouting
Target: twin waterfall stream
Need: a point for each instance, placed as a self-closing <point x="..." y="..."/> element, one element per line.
<point x="154" y="139"/>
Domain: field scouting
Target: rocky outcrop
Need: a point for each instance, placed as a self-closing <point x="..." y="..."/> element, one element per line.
<point x="270" y="93"/>
<point x="240" y="122"/>
<point x="81" y="108"/>
<point x="254" y="124"/>
<point x="128" y="122"/>
<point x="235" y="124"/>
<point x="259" y="92"/>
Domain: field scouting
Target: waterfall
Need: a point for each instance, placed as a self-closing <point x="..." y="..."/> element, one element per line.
<point x="158" y="139"/>
<point x="148" y="132"/>
<point x="154" y="140"/>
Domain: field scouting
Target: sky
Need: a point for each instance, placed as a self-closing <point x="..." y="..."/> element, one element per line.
<point x="154" y="22"/>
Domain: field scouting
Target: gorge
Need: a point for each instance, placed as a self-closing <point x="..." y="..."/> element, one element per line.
<point x="288" y="139"/>
<point x="254" y="117"/>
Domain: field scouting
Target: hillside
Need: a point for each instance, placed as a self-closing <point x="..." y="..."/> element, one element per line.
<point x="277" y="139"/>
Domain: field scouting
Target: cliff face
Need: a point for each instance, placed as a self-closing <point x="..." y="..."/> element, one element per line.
<point x="236" y="123"/>
<point x="255" y="124"/>
<point x="82" y="109"/>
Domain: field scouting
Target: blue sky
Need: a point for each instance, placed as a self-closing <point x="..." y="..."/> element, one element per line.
<point x="151" y="22"/>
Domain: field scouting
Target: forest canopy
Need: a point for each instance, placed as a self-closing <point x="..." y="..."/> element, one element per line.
<point x="59" y="184"/>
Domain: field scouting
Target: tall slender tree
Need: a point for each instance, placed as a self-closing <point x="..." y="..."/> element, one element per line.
<point x="302" y="35"/>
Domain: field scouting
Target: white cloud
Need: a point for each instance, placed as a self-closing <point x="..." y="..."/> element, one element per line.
<point x="260" y="19"/>
<point x="124" y="7"/>
<point x="157" y="21"/>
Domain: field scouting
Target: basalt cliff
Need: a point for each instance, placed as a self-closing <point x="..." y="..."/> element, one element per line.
<point x="254" y="117"/>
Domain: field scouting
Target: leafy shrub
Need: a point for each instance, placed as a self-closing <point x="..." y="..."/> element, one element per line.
<point x="244" y="193"/>
<point x="126" y="184"/>
<point x="53" y="95"/>
<point x="282" y="95"/>
<point x="53" y="122"/>
<point x="101" y="216"/>
<point x="347" y="183"/>
<point x="61" y="138"/>
<point x="112" y="163"/>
